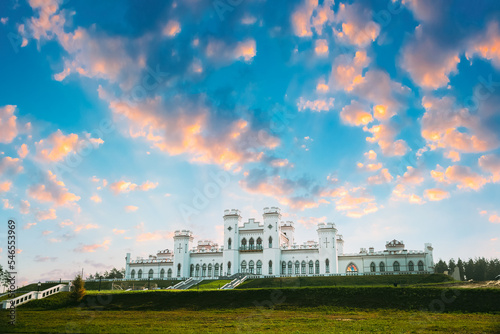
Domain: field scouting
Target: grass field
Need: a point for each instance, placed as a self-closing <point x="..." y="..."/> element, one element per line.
<point x="246" y="320"/>
<point x="210" y="285"/>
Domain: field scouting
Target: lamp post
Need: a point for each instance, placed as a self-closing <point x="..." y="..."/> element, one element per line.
<point x="148" y="282"/>
<point x="39" y="285"/>
<point x="100" y="278"/>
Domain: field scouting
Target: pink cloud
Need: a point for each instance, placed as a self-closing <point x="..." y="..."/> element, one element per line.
<point x="81" y="227"/>
<point x="10" y="165"/>
<point x="461" y="175"/>
<point x="436" y="194"/>
<point x="401" y="193"/>
<point x="23" y="151"/>
<point x="152" y="236"/>
<point x="491" y="164"/>
<point x="131" y="208"/>
<point x="125" y="186"/>
<point x="49" y="214"/>
<point x="172" y="28"/>
<point x="93" y="247"/>
<point x="8" y="124"/>
<point x="384" y="135"/>
<point x="355" y="114"/>
<point x="24" y="207"/>
<point x="381" y="178"/>
<point x="5" y="186"/>
<point x="315" y="105"/>
<point x="52" y="190"/>
<point x="96" y="198"/>
<point x="57" y="146"/>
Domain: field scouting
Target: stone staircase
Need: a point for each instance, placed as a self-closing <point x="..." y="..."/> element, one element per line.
<point x="27" y="297"/>
<point x="234" y="283"/>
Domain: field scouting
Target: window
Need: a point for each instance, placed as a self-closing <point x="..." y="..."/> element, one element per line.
<point x="259" y="267"/>
<point x="382" y="266"/>
<point x="197" y="270"/>
<point x="204" y="270"/>
<point x="289" y="267"/>
<point x="179" y="270"/>
<point x="317" y="266"/>
<point x="243" y="266"/>
<point x="150" y="273"/>
<point x="395" y="266"/>
<point x="251" y="266"/>
<point x="270" y="267"/>
<point x="169" y="273"/>
<point x="229" y="243"/>
<point x="191" y="271"/>
<point x="311" y="267"/>
<point x="244" y="244"/>
<point x="251" y="244"/>
<point x="327" y="266"/>
<point x="303" y="267"/>
<point x="259" y="243"/>
<point x="411" y="266"/>
<point x="216" y="270"/>
<point x="270" y="242"/>
<point x="420" y="266"/>
<point x="220" y="268"/>
<point x="228" y="268"/>
<point x="297" y="267"/>
<point x="139" y="273"/>
<point x="372" y="267"/>
<point x="283" y="268"/>
<point x="210" y="270"/>
<point x="352" y="269"/>
<point x="162" y="273"/>
<point x="132" y="274"/>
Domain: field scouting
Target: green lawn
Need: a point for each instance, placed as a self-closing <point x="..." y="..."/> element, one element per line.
<point x="210" y="284"/>
<point x="249" y="320"/>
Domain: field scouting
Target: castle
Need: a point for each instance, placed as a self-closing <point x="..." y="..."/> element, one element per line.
<point x="268" y="249"/>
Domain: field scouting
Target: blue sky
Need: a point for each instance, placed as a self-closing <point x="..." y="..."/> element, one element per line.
<point x="121" y="122"/>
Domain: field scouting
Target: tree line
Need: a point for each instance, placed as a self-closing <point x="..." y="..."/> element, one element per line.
<point x="478" y="269"/>
<point x="113" y="273"/>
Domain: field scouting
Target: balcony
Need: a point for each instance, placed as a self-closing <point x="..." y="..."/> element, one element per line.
<point x="251" y="248"/>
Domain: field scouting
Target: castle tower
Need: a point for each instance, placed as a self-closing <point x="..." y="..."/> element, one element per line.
<point x="231" y="258"/>
<point x="327" y="234"/>
<point x="182" y="244"/>
<point x="127" y="266"/>
<point x="271" y="242"/>
<point x="429" y="261"/>
<point x="340" y="244"/>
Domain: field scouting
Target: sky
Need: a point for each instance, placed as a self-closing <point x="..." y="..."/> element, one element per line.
<point x="123" y="121"/>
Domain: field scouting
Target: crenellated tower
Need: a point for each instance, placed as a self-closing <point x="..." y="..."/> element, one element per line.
<point x="182" y="244"/>
<point x="232" y="219"/>
<point x="328" y="258"/>
<point x="271" y="242"/>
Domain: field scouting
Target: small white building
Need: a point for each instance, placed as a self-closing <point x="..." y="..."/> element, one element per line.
<point x="268" y="249"/>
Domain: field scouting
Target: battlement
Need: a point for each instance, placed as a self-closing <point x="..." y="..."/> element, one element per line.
<point x="287" y="224"/>
<point x="326" y="226"/>
<point x="165" y="251"/>
<point x="272" y="209"/>
<point x="183" y="233"/>
<point x="232" y="212"/>
<point x="340" y="237"/>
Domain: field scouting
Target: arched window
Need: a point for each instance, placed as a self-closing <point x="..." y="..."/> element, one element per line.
<point x="270" y="242"/>
<point x="311" y="267"/>
<point x="351" y="269"/>
<point x="132" y="274"/>
<point x="139" y="273"/>
<point x="303" y="267"/>
<point x="210" y="270"/>
<point x="228" y="268"/>
<point x="229" y="243"/>
<point x="243" y="244"/>
<point x="220" y="268"/>
<point x="283" y="268"/>
<point x="327" y="266"/>
<point x="297" y="267"/>
<point x="420" y="266"/>
<point x="216" y="274"/>
<point x="204" y="270"/>
<point x="169" y="272"/>
<point x="251" y="265"/>
<point x="179" y="270"/>
<point x="259" y="267"/>
<point x="244" y="266"/>
<point x="251" y="244"/>
<point x="411" y="266"/>
<point x="197" y="270"/>
<point x="395" y="266"/>
<point x="372" y="267"/>
<point x="162" y="273"/>
<point x="150" y="273"/>
<point x="382" y="267"/>
<point x="317" y="267"/>
<point x="259" y="243"/>
<point x="270" y="267"/>
<point x="191" y="271"/>
<point x="289" y="267"/>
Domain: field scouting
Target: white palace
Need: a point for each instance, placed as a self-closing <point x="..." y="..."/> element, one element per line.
<point x="268" y="249"/>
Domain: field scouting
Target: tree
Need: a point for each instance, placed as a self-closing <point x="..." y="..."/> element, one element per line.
<point x="440" y="267"/>
<point x="451" y="266"/>
<point x="460" y="266"/>
<point x="4" y="277"/>
<point x="78" y="289"/>
<point x="115" y="273"/>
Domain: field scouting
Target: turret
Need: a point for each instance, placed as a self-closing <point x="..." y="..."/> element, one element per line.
<point x="127" y="266"/>
<point x="327" y="236"/>
<point x="288" y="229"/>
<point x="232" y="219"/>
<point x="271" y="242"/>
<point x="182" y="244"/>
<point x="429" y="260"/>
<point x="340" y="244"/>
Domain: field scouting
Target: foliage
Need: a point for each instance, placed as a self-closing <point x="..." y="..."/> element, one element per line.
<point x="478" y="269"/>
<point x="4" y="277"/>
<point x="78" y="288"/>
<point x="113" y="273"/>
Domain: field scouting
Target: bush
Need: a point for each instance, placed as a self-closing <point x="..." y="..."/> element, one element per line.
<point x="78" y="289"/>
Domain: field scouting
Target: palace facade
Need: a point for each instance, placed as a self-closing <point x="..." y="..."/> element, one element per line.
<point x="268" y="249"/>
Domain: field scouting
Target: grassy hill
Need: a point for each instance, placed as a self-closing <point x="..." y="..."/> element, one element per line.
<point x="375" y="280"/>
<point x="210" y="284"/>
